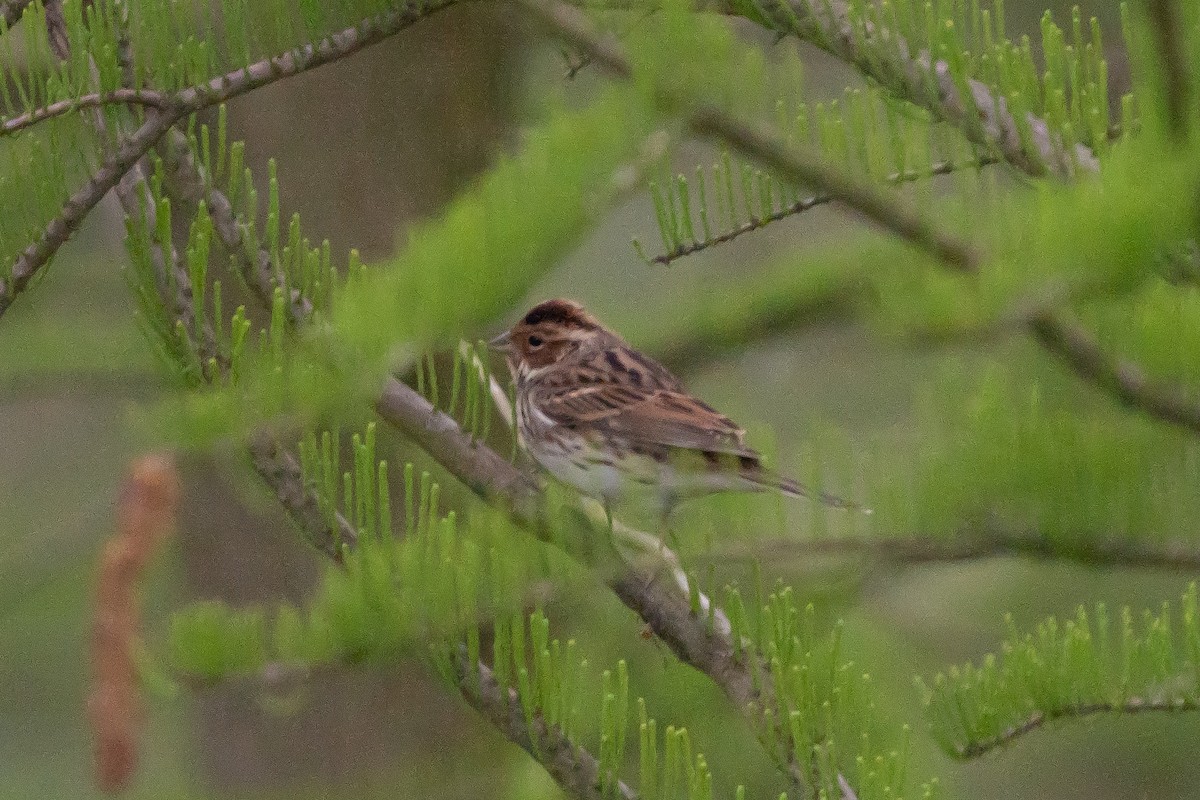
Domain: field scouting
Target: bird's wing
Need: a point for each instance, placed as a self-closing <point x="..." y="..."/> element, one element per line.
<point x="643" y="403"/>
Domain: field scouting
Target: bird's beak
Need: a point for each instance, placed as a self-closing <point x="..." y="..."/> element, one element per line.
<point x="502" y="343"/>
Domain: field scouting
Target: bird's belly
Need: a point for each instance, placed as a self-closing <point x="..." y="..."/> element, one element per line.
<point x="585" y="471"/>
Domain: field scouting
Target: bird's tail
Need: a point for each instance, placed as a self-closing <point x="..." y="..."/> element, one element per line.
<point x="793" y="488"/>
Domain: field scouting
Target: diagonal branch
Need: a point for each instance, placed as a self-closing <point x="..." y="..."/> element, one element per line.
<point x="573" y="768"/>
<point x="60" y="229"/>
<point x="1064" y="336"/>
<point x="884" y="56"/>
<point x="798" y="163"/>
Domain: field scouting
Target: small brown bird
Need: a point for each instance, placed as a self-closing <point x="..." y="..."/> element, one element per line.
<point x="602" y="417"/>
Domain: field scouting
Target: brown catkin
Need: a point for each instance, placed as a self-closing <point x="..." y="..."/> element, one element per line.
<point x="145" y="515"/>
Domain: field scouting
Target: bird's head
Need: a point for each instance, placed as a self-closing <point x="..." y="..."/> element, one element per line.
<point x="546" y="334"/>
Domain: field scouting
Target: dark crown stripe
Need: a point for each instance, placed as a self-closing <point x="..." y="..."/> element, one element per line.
<point x="559" y="311"/>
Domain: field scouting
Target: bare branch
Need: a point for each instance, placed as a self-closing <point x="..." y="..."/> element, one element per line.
<point x="133" y="97"/>
<point x="1065" y="336"/>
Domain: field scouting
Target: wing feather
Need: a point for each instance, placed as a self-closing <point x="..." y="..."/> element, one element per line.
<point x="626" y="395"/>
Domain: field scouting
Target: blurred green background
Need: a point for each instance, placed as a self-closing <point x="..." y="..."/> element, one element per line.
<point x="365" y="147"/>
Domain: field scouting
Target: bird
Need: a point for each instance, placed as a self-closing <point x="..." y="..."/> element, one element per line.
<point x="610" y="421"/>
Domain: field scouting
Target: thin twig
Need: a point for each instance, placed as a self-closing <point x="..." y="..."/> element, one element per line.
<point x="806" y="204"/>
<point x="1134" y="705"/>
<point x="132" y="97"/>
<point x="806" y="167"/>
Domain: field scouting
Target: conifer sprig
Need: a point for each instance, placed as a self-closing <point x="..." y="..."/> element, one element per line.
<point x="1071" y="668"/>
<point x="923" y="59"/>
<point x="772" y="208"/>
<point x="176" y="107"/>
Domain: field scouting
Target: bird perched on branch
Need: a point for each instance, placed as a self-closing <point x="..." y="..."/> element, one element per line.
<point x="609" y="421"/>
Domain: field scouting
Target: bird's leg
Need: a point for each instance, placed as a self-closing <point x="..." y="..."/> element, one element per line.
<point x="664" y="531"/>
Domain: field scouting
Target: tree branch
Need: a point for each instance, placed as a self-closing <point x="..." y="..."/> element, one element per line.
<point x="1065" y="337"/>
<point x="59" y="229"/>
<point x="1134" y="705"/>
<point x="806" y="204"/>
<point x="760" y="142"/>
<point x="884" y="56"/>
<point x="177" y="106"/>
<point x="132" y="97"/>
<point x="573" y="768"/>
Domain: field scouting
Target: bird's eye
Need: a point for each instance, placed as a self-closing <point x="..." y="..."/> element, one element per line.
<point x="535" y="341"/>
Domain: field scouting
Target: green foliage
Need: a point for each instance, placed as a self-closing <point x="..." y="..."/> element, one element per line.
<point x="1011" y="449"/>
<point x="865" y="131"/>
<point x="393" y="597"/>
<point x="1069" y="89"/>
<point x="823" y="723"/>
<point x="466" y="393"/>
<point x="1070" y="668"/>
<point x="1017" y="453"/>
<point x="172" y="46"/>
<point x="212" y="641"/>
